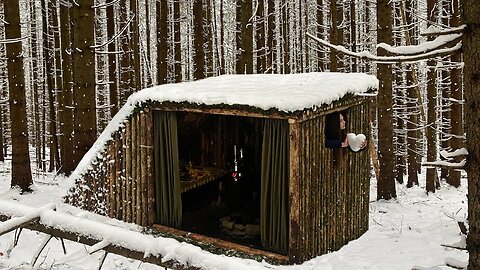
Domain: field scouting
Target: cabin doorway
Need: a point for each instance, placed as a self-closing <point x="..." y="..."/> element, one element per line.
<point x="224" y="177"/>
<point x="220" y="159"/>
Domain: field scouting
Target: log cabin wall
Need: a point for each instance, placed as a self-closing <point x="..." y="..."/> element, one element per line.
<point x="332" y="203"/>
<point x="120" y="183"/>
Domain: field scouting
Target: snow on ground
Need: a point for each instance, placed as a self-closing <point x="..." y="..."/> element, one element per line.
<point x="403" y="233"/>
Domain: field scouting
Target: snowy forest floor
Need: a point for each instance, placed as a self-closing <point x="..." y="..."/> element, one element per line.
<point x="404" y="233"/>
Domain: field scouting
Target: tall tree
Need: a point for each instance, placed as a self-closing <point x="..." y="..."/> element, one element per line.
<point x="112" y="61"/>
<point x="162" y="37"/>
<point x="471" y="45"/>
<point x="85" y="118"/>
<point x="431" y="113"/>
<point x="244" y="38"/>
<point x="21" y="171"/>
<point x="271" y="41"/>
<point x="260" y="36"/>
<point x="386" y="179"/>
<point x="456" y="141"/>
<point x="198" y="41"/>
<point x="135" y="45"/>
<point x="50" y="21"/>
<point x="177" y="50"/>
<point x="66" y="126"/>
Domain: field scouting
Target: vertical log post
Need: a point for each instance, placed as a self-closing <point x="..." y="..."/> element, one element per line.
<point x="294" y="229"/>
<point x="138" y="203"/>
<point x="150" y="168"/>
<point x="128" y="172"/>
<point x="132" y="197"/>
<point x="143" y="178"/>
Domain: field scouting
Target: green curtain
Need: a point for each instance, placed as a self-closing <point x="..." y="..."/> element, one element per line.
<point x="274" y="187"/>
<point x="167" y="174"/>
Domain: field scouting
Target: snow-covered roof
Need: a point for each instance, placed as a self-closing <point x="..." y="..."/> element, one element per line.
<point x="284" y="92"/>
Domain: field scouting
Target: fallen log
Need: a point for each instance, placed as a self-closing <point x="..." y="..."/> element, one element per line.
<point x="127" y="240"/>
<point x="90" y="241"/>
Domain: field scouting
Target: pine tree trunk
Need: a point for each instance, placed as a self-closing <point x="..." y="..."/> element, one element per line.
<point x="260" y="36"/>
<point x="198" y="41"/>
<point x="67" y="127"/>
<point x="52" y="93"/>
<point x="285" y="36"/>
<point x="386" y="179"/>
<point x="456" y="142"/>
<point x="271" y="37"/>
<point x="176" y="39"/>
<point x="149" y="75"/>
<point x="35" y="79"/>
<point x="126" y="76"/>
<point x="222" y="41"/>
<point x="431" y="177"/>
<point x="244" y="38"/>
<point x="112" y="62"/>
<point x="471" y="47"/>
<point x="333" y="63"/>
<point x="353" y="34"/>
<point x="162" y="35"/>
<point x="135" y="45"/>
<point x="21" y="171"/>
<point x="85" y="119"/>
<point x="209" y="66"/>
<point x="320" y="34"/>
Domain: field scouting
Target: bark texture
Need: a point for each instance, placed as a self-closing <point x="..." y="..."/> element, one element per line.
<point x="471" y="51"/>
<point x="21" y="171"/>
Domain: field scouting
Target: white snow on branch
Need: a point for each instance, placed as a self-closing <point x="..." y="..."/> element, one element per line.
<point x="433" y="30"/>
<point x="12" y="40"/>
<point x="456" y="153"/>
<point x="425" y="47"/>
<point x="442" y="163"/>
<point x="115" y="36"/>
<point x="15" y="222"/>
<point x="454" y="263"/>
<point x="167" y="248"/>
<point x="106" y="4"/>
<point x="388" y="59"/>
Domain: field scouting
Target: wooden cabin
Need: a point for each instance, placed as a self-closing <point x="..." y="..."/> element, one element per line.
<point x="237" y="158"/>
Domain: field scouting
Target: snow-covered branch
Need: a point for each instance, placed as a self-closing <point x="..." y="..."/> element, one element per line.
<point x="434" y="31"/>
<point x="115" y="36"/>
<point x="429" y="46"/>
<point x="106" y="4"/>
<point x="12" y="40"/>
<point x="389" y="59"/>
<point x="445" y="164"/>
<point x="456" y="153"/>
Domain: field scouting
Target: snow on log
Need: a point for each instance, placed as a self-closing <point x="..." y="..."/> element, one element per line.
<point x="17" y="222"/>
<point x="103" y="234"/>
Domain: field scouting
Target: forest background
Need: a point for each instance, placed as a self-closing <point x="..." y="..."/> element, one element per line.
<point x="68" y="66"/>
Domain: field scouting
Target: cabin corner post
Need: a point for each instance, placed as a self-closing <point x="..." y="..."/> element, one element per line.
<point x="151" y="215"/>
<point x="294" y="247"/>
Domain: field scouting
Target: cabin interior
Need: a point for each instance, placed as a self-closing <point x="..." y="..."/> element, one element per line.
<point x="220" y="172"/>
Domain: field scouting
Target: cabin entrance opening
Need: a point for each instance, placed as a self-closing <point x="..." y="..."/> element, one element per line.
<point x="220" y="176"/>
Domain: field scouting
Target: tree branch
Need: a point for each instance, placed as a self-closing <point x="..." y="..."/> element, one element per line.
<point x="445" y="164"/>
<point x="434" y="31"/>
<point x="389" y="59"/>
